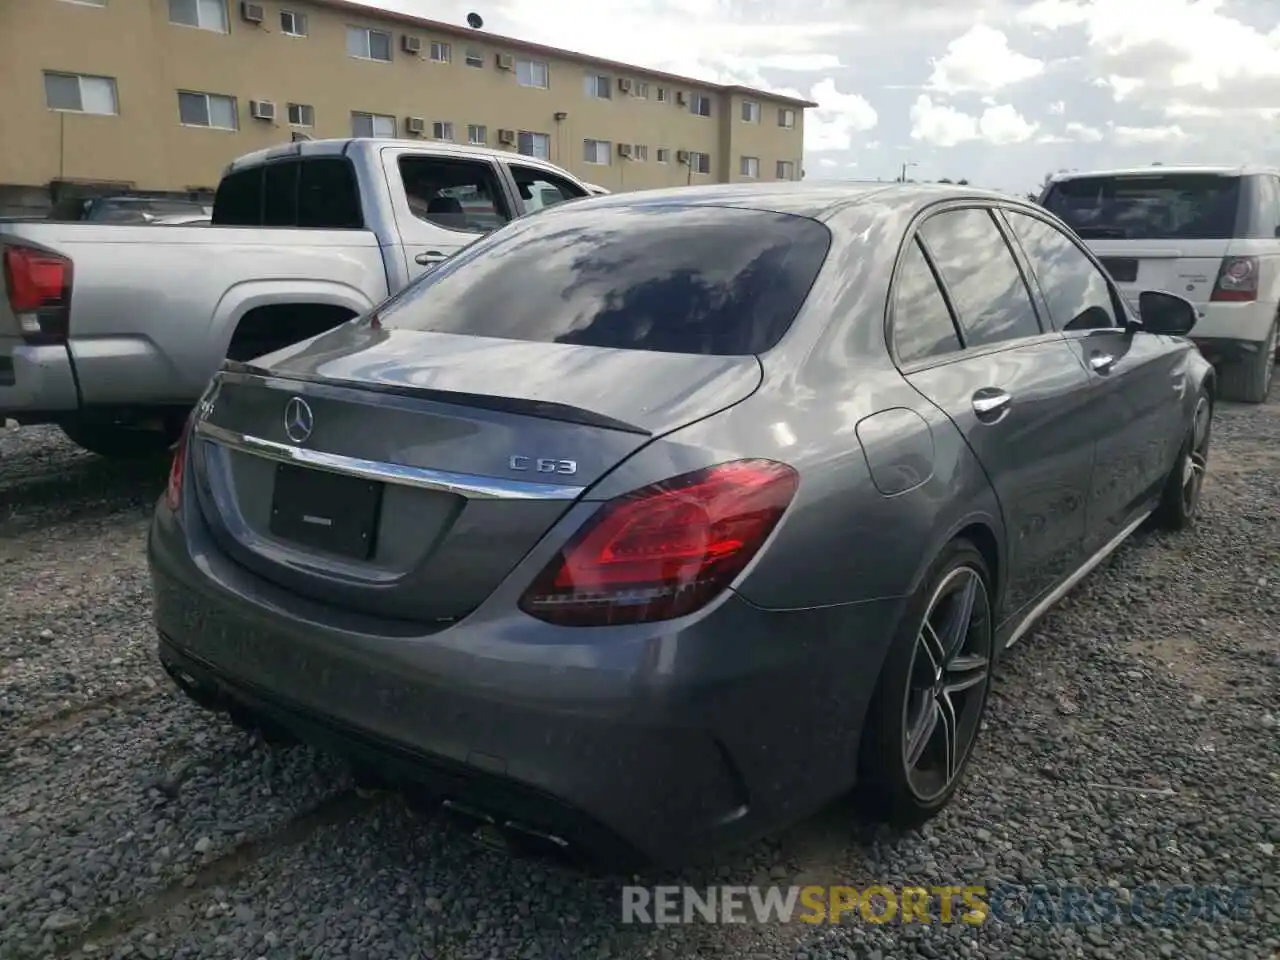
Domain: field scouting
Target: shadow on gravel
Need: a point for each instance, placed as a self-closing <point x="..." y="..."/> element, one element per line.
<point x="80" y="488"/>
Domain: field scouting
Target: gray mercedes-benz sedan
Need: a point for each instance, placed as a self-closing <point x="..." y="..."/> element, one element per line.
<point x="659" y="520"/>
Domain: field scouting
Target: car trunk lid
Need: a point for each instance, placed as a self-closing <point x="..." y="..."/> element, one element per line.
<point x="424" y="466"/>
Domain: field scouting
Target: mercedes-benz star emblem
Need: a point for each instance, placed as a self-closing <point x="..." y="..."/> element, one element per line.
<point x="298" y="420"/>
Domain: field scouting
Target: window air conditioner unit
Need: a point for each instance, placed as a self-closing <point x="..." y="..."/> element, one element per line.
<point x="411" y="44"/>
<point x="506" y="136"/>
<point x="252" y="12"/>
<point x="682" y="156"/>
<point x="262" y="109"/>
<point x="624" y="84"/>
<point x="624" y="149"/>
<point x="415" y="125"/>
<point x="506" y="61"/>
<point x="680" y="98"/>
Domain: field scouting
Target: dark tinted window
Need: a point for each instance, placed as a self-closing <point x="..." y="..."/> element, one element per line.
<point x="1266" y="207"/>
<point x="328" y="195"/>
<point x="238" y="202"/>
<point x="318" y="193"/>
<point x="922" y="324"/>
<point x="704" y="280"/>
<point x="981" y="275"/>
<point x="280" y="195"/>
<point x="1158" y="206"/>
<point x="1075" y="291"/>
<point x="455" y="194"/>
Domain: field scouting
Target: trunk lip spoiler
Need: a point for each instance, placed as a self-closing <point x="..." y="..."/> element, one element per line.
<point x="470" y="486"/>
<point x="235" y="370"/>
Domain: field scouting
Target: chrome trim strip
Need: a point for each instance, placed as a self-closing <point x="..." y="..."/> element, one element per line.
<point x="1066" y="586"/>
<point x="463" y="484"/>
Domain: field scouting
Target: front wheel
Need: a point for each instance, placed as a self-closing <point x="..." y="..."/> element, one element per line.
<point x="932" y="693"/>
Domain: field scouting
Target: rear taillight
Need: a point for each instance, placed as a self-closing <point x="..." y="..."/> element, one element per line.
<point x="665" y="550"/>
<point x="178" y="469"/>
<point x="1237" y="280"/>
<point x="39" y="286"/>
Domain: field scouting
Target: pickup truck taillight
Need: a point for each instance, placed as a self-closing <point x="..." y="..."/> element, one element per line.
<point x="39" y="286"/>
<point x="1237" y="281"/>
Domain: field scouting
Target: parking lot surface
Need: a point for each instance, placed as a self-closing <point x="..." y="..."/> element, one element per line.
<point x="1133" y="740"/>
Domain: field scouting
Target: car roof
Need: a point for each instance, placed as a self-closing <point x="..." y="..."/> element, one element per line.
<point x="1238" y="170"/>
<point x="818" y="200"/>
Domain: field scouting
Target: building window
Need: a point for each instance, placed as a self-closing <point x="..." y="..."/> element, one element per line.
<point x="640" y="152"/>
<point x="750" y="111"/>
<point x="786" y="117"/>
<point x="532" y="73"/>
<point x="475" y="57"/>
<point x="372" y="125"/>
<point x="534" y="145"/>
<point x="441" y="52"/>
<point x="80" y="94"/>
<point x="640" y="90"/>
<point x="786" y="170"/>
<point x="749" y="167"/>
<point x="595" y="85"/>
<point x="661" y="95"/>
<point x="477" y="134"/>
<point x="293" y="24"/>
<point x="207" y="110"/>
<point x="596" y="151"/>
<point x="366" y="44"/>
<point x="302" y="115"/>
<point x="664" y="155"/>
<point x="700" y="105"/>
<point x="442" y="130"/>
<point x="699" y="162"/>
<point x="203" y="14"/>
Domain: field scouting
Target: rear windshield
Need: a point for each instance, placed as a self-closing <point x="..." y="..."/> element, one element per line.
<point x="701" y="280"/>
<point x="1149" y="207"/>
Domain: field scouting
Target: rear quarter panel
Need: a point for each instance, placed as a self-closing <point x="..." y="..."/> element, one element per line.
<point x="153" y="307"/>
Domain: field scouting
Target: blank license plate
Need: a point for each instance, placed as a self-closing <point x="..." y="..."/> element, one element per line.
<point x="326" y="511"/>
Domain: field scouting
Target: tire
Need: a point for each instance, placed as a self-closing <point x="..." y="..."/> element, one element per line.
<point x="891" y="788"/>
<point x="116" y="442"/>
<point x="1180" y="499"/>
<point x="1249" y="381"/>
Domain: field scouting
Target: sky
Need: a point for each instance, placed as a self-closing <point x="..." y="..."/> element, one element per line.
<point x="999" y="92"/>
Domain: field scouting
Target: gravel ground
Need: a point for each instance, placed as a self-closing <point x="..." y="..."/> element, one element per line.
<point x="1133" y="739"/>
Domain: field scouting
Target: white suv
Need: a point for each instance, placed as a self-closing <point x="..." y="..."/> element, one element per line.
<point x="1209" y="234"/>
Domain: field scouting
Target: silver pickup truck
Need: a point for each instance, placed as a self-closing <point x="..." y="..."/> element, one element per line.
<point x="112" y="331"/>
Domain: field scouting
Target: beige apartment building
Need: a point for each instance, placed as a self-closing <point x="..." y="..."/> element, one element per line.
<point x="161" y="94"/>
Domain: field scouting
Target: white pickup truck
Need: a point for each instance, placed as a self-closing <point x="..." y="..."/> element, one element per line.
<point x="112" y="331"/>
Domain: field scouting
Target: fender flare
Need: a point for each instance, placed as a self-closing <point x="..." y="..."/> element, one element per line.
<point x="243" y="297"/>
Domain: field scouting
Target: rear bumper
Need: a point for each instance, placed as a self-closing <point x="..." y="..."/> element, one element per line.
<point x="650" y="744"/>
<point x="37" y="383"/>
<point x="1227" y="323"/>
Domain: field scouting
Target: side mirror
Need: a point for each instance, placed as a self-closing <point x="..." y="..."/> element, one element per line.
<point x="1166" y="313"/>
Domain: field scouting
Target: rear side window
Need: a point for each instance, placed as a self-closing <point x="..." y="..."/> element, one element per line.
<point x="986" y="286"/>
<point x="1075" y="291"/>
<point x="317" y="193"/>
<point x="922" y="324"/>
<point x="698" y="280"/>
<point x="1162" y="206"/>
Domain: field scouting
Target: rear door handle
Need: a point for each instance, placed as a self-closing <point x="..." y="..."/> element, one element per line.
<point x="990" y="401"/>
<point x="1101" y="362"/>
<point x="429" y="257"/>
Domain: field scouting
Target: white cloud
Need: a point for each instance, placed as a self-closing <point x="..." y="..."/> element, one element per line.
<point x="828" y="163"/>
<point x="1058" y="108"/>
<point x="981" y="60"/>
<point x="945" y="126"/>
<point x="839" y="118"/>
<point x="1133" y="136"/>
<point x="1083" y="132"/>
<point x="1121" y="87"/>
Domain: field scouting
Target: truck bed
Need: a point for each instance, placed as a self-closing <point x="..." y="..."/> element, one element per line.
<point x="151" y="304"/>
